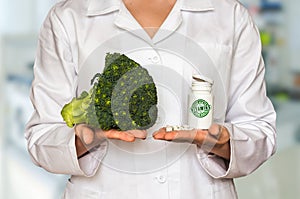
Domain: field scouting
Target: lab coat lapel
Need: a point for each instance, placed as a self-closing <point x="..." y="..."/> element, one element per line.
<point x="196" y="5"/>
<point x="171" y="23"/>
<point x="126" y="21"/>
<point x="100" y="7"/>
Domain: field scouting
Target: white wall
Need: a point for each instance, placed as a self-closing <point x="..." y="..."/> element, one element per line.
<point x="20" y="22"/>
<point x="17" y="16"/>
<point x="1" y="120"/>
<point x="23" y="17"/>
<point x="293" y="29"/>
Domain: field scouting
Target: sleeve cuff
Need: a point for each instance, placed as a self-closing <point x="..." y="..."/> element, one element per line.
<point x="89" y="163"/>
<point x="216" y="166"/>
<point x="61" y="157"/>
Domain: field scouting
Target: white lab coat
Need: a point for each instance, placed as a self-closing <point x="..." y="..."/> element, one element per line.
<point x="215" y="38"/>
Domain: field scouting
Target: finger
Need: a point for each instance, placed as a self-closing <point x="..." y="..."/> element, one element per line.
<point x="159" y="131"/>
<point x="181" y="136"/>
<point x="160" y="134"/>
<point x="85" y="133"/>
<point x="125" y="136"/>
<point x="78" y="129"/>
<point x="142" y="134"/>
<point x="201" y="137"/>
<point x="119" y="135"/>
<point x="88" y="136"/>
<point x="171" y="135"/>
<point x="215" y="130"/>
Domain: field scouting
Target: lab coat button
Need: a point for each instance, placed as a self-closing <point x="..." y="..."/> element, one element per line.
<point x="161" y="179"/>
<point x="155" y="59"/>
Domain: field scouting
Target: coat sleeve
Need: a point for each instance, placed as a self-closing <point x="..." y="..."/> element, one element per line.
<point x="250" y="116"/>
<point x="50" y="142"/>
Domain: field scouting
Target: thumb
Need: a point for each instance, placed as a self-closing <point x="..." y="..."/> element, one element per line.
<point x="85" y="133"/>
<point x="215" y="130"/>
<point x="87" y="136"/>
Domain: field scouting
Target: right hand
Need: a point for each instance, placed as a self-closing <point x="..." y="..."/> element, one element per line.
<point x="87" y="137"/>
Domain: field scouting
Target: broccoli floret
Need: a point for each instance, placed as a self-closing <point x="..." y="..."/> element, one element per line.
<point x="123" y="97"/>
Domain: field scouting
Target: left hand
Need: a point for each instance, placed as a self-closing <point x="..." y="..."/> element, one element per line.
<point x="214" y="140"/>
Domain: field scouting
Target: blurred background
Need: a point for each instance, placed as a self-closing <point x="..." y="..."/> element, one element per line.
<point x="278" y="21"/>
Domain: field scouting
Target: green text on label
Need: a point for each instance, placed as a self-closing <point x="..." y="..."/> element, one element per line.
<point x="200" y="108"/>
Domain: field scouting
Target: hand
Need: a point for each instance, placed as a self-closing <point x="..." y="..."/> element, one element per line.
<point x="215" y="139"/>
<point x="87" y="137"/>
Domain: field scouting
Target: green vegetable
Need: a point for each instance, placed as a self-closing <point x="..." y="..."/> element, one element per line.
<point x="123" y="97"/>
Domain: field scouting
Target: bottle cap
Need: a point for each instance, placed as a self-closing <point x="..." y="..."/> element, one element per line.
<point x="202" y="78"/>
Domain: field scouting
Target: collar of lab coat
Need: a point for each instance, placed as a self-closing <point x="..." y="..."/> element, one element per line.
<point x="101" y="7"/>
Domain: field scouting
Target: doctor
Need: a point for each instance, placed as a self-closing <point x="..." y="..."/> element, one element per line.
<point x="131" y="164"/>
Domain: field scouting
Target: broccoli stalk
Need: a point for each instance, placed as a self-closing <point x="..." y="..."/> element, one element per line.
<point x="123" y="97"/>
<point x="77" y="111"/>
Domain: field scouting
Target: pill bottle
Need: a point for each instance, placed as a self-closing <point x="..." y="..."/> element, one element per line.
<point x="200" y="110"/>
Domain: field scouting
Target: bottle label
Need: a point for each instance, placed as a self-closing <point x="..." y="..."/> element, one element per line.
<point x="200" y="108"/>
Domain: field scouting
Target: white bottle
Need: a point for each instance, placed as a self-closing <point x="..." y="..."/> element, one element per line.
<point x="200" y="108"/>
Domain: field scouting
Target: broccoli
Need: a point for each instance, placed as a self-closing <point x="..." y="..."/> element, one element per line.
<point x="123" y="97"/>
